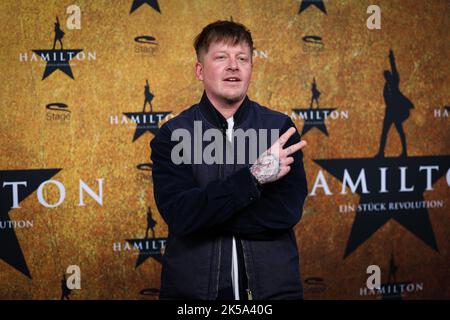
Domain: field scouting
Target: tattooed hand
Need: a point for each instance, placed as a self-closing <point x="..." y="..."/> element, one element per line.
<point x="275" y="162"/>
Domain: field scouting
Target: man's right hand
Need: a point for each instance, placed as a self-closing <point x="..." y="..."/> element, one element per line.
<point x="275" y="162"/>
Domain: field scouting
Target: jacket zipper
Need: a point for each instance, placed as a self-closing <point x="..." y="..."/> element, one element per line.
<point x="248" y="290"/>
<point x="218" y="268"/>
<point x="221" y="174"/>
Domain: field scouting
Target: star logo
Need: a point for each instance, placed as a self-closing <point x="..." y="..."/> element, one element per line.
<point x="137" y="3"/>
<point x="146" y="120"/>
<point x="392" y="289"/>
<point x="149" y="247"/>
<point x="383" y="185"/>
<point x="317" y="3"/>
<point x="392" y="283"/>
<point x="314" y="117"/>
<point x="17" y="185"/>
<point x="57" y="59"/>
<point x="390" y="187"/>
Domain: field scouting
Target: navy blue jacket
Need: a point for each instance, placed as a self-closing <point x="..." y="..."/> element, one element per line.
<point x="204" y="204"/>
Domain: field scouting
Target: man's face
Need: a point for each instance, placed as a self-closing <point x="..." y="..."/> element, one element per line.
<point x="225" y="71"/>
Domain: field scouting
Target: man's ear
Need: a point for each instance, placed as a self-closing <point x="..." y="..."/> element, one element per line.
<point x="199" y="71"/>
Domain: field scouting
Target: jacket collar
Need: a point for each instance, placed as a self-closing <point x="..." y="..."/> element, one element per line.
<point x="215" y="118"/>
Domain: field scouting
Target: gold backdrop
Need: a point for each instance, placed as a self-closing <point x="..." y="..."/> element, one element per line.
<point x="90" y="139"/>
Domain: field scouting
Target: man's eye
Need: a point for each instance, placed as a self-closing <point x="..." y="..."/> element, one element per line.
<point x="220" y="57"/>
<point x="243" y="58"/>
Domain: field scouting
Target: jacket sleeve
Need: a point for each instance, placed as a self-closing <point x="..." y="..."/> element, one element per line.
<point x="186" y="207"/>
<point x="280" y="205"/>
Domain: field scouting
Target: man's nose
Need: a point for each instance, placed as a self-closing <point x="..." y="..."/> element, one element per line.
<point x="232" y="64"/>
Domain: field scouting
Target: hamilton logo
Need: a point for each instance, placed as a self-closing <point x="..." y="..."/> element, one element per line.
<point x="393" y="289"/>
<point x="146" y="120"/>
<point x="314" y="116"/>
<point x="389" y="187"/>
<point x="57" y="59"/>
<point x="13" y="181"/>
<point x="148" y="247"/>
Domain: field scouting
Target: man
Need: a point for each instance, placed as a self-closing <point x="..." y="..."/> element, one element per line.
<point x="230" y="224"/>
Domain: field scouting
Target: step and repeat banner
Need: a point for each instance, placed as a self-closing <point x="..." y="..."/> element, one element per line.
<point x="85" y="85"/>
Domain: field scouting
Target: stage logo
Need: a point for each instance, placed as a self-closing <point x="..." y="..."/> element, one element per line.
<point x="146" y="45"/>
<point x="58" y="112"/>
<point x="312" y="43"/>
<point x="314" y="285"/>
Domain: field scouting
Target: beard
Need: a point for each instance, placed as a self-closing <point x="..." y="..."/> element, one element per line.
<point x="234" y="97"/>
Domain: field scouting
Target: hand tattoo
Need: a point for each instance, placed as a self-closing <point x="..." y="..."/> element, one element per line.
<point x="266" y="168"/>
